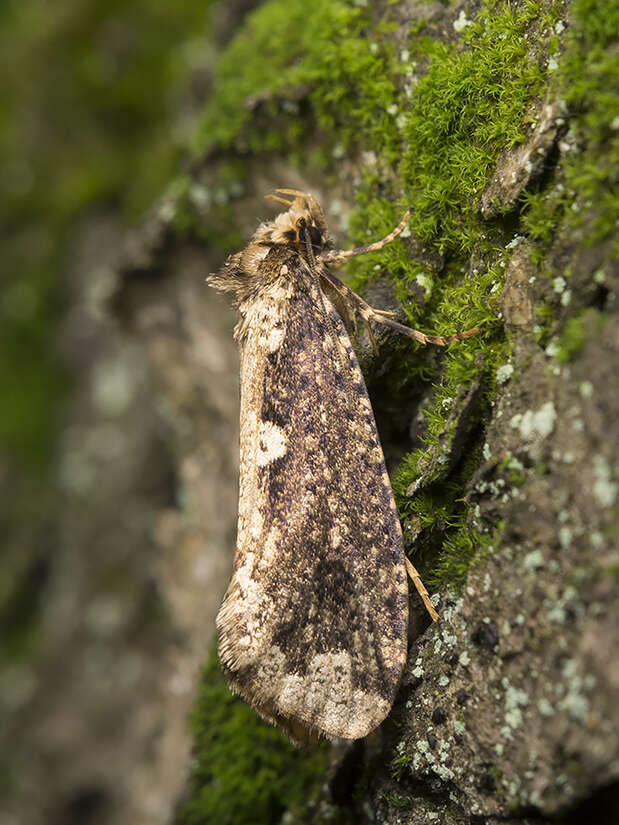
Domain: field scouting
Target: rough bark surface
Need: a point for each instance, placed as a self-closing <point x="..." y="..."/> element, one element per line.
<point x="508" y="709"/>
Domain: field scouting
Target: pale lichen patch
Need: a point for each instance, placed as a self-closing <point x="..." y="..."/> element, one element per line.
<point x="604" y="488"/>
<point x="536" y="425"/>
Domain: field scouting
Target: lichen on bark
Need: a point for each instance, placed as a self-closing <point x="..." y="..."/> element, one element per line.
<point x="497" y="124"/>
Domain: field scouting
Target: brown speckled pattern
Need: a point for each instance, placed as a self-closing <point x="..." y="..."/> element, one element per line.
<point x="313" y="628"/>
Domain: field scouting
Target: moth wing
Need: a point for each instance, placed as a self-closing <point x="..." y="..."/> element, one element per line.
<point x="313" y="627"/>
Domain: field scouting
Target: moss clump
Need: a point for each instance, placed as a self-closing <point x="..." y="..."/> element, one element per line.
<point x="572" y="339"/>
<point x="463" y="547"/>
<point x="282" y="48"/>
<point x="469" y="106"/>
<point x="586" y="79"/>
<point x="246" y="772"/>
<point x="447" y="541"/>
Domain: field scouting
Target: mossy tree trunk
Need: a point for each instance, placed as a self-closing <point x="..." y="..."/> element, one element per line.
<point x="497" y="125"/>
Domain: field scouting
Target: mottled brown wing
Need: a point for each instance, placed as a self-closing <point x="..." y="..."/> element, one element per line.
<point x="313" y="627"/>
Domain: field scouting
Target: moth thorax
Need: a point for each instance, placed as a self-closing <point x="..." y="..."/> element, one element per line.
<point x="296" y="228"/>
<point x="308" y="232"/>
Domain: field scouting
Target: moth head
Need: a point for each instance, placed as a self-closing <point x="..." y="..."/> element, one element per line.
<point x="301" y="227"/>
<point x="302" y="224"/>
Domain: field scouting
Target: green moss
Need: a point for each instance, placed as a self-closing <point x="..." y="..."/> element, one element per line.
<point x="283" y="48"/>
<point x="586" y="80"/>
<point x="464" y="547"/>
<point x="400" y="764"/>
<point x="246" y="772"/>
<point x="572" y="339"/>
<point x="540" y="216"/>
<point x="396" y="801"/>
<point x="438" y="514"/>
<point x="445" y="542"/>
<point x="467" y="107"/>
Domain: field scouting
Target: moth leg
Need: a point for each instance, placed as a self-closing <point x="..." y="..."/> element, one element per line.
<point x="371" y="337"/>
<point x="386" y="313"/>
<point x="338" y="256"/>
<point x="368" y="313"/>
<point x="379" y="316"/>
<point x="420" y="587"/>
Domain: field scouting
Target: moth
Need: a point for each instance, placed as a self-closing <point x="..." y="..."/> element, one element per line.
<point x="313" y="626"/>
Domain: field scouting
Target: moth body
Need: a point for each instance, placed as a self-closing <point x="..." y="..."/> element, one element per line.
<point x="313" y="626"/>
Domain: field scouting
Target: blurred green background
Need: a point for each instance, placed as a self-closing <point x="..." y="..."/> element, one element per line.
<point x="96" y="107"/>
